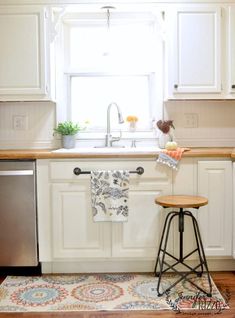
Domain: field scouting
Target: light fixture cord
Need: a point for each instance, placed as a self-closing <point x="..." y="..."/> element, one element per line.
<point x="108" y="19"/>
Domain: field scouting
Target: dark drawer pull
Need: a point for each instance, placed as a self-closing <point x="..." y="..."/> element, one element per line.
<point x="176" y="86"/>
<point x="233" y="86"/>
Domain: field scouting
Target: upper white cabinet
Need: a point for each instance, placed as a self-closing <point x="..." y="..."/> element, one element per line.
<point x="24" y="67"/>
<point x="231" y="66"/>
<point x="194" y="52"/>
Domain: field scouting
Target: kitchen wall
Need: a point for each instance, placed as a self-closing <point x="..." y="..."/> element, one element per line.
<point x="214" y="126"/>
<point x="38" y="122"/>
<point x="215" y="123"/>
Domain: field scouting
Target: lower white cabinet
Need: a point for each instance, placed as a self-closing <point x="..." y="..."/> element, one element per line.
<point x="68" y="235"/>
<point x="212" y="179"/>
<point x="215" y="219"/>
<point x="139" y="237"/>
<point x="75" y="236"/>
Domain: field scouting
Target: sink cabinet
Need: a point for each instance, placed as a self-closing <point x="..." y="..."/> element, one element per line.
<point x="74" y="234"/>
<point x="70" y="241"/>
<point x="71" y="233"/>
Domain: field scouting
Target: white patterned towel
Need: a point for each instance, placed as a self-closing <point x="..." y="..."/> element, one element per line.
<point x="109" y="195"/>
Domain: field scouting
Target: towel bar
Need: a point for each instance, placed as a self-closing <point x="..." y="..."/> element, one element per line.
<point x="77" y="171"/>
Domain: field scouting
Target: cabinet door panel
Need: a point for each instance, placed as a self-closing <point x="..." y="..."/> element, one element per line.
<point x="22" y="54"/>
<point x="75" y="235"/>
<point x="139" y="237"/>
<point x="195" y="52"/>
<point x="215" y="183"/>
<point x="231" y="49"/>
<point x="185" y="183"/>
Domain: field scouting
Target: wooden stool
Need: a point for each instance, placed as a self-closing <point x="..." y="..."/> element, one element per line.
<point x="181" y="202"/>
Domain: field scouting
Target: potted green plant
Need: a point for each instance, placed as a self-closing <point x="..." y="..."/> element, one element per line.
<point x="68" y="131"/>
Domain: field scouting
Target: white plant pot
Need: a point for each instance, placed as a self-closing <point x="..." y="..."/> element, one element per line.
<point x="68" y="141"/>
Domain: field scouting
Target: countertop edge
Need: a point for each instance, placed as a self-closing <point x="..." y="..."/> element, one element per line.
<point x="221" y="152"/>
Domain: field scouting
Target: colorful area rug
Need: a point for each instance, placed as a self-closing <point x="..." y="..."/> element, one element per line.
<point x="99" y="292"/>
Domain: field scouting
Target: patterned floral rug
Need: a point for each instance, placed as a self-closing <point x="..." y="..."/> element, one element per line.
<point x="86" y="292"/>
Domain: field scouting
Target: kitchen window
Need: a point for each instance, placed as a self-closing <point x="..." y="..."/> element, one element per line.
<point x="111" y="57"/>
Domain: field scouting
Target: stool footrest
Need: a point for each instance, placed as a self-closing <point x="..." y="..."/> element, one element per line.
<point x="182" y="263"/>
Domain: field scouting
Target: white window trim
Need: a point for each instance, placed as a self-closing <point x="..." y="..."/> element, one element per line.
<point x="63" y="113"/>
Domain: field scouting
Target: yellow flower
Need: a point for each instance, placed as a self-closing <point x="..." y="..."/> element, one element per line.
<point x="132" y="118"/>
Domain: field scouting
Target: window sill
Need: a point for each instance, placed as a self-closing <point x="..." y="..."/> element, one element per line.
<point x="92" y="139"/>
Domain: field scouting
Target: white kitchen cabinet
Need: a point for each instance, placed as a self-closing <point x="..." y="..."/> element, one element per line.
<point x="139" y="237"/>
<point x="185" y="183"/>
<point x="67" y="232"/>
<point x="24" y="62"/>
<point x="212" y="179"/>
<point x="75" y="235"/>
<point x="233" y="209"/>
<point x="69" y="240"/>
<point x="231" y="65"/>
<point x="194" y="52"/>
<point x="215" y="219"/>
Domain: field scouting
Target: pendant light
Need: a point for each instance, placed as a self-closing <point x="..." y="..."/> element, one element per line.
<point x="107" y="49"/>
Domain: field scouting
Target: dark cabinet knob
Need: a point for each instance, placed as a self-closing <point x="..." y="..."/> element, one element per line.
<point x="77" y="171"/>
<point x="175" y="86"/>
<point x="233" y="86"/>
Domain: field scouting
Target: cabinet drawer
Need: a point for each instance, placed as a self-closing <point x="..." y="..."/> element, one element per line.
<point x="63" y="170"/>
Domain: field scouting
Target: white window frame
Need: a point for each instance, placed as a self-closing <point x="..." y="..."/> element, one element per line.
<point x="64" y="75"/>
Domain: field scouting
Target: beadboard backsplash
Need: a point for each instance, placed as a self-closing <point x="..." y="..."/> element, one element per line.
<point x="215" y="121"/>
<point x="39" y="120"/>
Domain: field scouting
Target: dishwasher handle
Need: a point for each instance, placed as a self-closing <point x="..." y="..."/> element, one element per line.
<point x="16" y="173"/>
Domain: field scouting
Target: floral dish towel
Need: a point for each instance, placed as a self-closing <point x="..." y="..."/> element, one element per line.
<point x="110" y="195"/>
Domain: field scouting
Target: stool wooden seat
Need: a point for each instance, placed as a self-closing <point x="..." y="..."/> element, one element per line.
<point x="181" y="202"/>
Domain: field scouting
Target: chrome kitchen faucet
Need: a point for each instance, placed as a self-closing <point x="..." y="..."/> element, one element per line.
<point x="108" y="138"/>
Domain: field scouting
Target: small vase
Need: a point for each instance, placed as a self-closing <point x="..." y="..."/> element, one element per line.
<point x="68" y="141"/>
<point x="163" y="139"/>
<point x="132" y="126"/>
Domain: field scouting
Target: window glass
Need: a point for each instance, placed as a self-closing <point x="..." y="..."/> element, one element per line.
<point x="90" y="97"/>
<point x="121" y="47"/>
<point x="120" y="62"/>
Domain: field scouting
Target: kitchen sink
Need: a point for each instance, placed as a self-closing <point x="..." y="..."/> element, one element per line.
<point x="107" y="150"/>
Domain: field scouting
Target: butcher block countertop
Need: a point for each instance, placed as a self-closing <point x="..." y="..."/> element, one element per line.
<point x="50" y="154"/>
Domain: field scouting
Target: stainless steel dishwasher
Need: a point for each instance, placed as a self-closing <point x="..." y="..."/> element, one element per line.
<point x="18" y="217"/>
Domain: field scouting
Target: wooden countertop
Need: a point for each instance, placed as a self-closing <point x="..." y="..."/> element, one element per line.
<point x="48" y="154"/>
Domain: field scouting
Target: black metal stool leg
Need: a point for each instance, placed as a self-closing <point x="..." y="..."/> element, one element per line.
<point x="203" y="256"/>
<point x="189" y="213"/>
<point x="161" y="241"/>
<point x="181" y="233"/>
<point x="162" y="252"/>
<point x="162" y="258"/>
